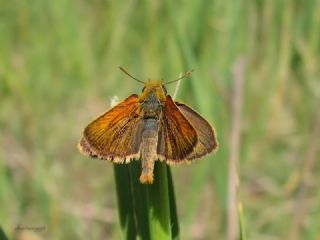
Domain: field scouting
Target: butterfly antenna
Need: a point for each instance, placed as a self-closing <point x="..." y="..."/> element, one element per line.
<point x="125" y="71"/>
<point x="186" y="74"/>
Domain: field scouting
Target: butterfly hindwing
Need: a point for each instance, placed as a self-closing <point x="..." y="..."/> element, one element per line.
<point x="207" y="140"/>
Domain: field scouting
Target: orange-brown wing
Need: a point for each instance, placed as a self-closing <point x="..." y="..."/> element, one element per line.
<point x="116" y="134"/>
<point x="207" y="140"/>
<point x="177" y="137"/>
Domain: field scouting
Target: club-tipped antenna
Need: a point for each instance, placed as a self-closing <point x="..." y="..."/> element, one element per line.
<point x="125" y="71"/>
<point x="186" y="74"/>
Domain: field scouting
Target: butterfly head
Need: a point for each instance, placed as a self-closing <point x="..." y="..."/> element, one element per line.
<point x="155" y="88"/>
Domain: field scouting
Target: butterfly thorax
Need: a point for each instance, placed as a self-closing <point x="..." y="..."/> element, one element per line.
<point x="151" y="107"/>
<point x="152" y="100"/>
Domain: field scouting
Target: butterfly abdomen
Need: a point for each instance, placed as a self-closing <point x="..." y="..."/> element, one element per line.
<point x="148" y="149"/>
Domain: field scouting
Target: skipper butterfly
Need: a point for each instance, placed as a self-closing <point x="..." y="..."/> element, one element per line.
<point x="151" y="127"/>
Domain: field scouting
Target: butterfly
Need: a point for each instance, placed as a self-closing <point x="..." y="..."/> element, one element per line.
<point x="151" y="127"/>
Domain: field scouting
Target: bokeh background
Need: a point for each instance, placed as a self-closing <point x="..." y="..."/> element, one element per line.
<point x="59" y="69"/>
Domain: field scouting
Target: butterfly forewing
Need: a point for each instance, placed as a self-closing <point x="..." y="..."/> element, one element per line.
<point x="115" y="135"/>
<point x="177" y="137"/>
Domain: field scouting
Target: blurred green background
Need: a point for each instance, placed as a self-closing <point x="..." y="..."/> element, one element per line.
<point x="59" y="69"/>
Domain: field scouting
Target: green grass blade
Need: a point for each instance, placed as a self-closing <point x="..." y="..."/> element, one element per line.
<point x="159" y="206"/>
<point x="2" y="234"/>
<point x="125" y="206"/>
<point x="139" y="200"/>
<point x="173" y="208"/>
<point x="313" y="231"/>
<point x="242" y="230"/>
<point x="146" y="211"/>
